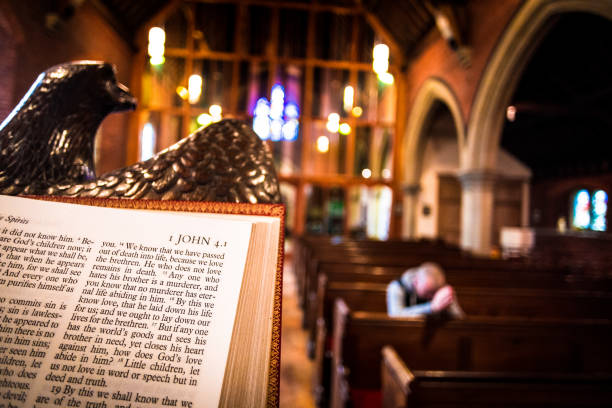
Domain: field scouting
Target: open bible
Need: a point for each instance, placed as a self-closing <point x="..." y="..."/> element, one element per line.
<point x="148" y="304"/>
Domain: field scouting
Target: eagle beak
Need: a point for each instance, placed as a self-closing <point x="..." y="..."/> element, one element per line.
<point x="123" y="99"/>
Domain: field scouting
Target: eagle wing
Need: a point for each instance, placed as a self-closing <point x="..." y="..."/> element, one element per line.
<point x="225" y="161"/>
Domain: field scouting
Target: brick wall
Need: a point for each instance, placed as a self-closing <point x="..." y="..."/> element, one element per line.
<point x="8" y="57"/>
<point x="486" y="22"/>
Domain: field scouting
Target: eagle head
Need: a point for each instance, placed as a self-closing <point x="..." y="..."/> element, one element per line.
<point x="49" y="137"/>
<point x="89" y="84"/>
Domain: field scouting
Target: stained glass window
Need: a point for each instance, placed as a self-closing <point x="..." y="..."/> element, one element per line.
<point x="600" y="207"/>
<point x="589" y="211"/>
<point x="582" y="216"/>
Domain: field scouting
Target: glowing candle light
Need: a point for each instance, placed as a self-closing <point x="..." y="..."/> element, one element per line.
<point x="323" y="144"/>
<point x="380" y="51"/>
<point x="333" y="122"/>
<point x="215" y="112"/>
<point x="345" y="129"/>
<point x="380" y="62"/>
<point x="386" y="78"/>
<point x="204" y="119"/>
<point x="349" y="94"/>
<point x="194" y="88"/>
<point x="157" y="39"/>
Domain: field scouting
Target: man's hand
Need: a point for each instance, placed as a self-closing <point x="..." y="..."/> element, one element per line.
<point x="443" y="298"/>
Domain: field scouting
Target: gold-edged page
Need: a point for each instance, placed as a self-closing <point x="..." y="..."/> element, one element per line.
<point x="247" y="375"/>
<point x="116" y="306"/>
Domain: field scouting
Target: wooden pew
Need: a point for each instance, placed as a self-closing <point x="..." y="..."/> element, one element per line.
<point x="535" y="300"/>
<point x="474" y="277"/>
<point x="338" y="263"/>
<point x="474" y="344"/>
<point x="461" y="270"/>
<point x="403" y="388"/>
<point x="492" y="302"/>
<point x="312" y="251"/>
<point x="581" y="251"/>
<point x="480" y="290"/>
<point x="326" y="252"/>
<point x="497" y="300"/>
<point x="477" y="278"/>
<point x="458" y="277"/>
<point x="392" y="266"/>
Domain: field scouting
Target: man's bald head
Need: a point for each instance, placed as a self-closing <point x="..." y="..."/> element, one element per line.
<point x="429" y="278"/>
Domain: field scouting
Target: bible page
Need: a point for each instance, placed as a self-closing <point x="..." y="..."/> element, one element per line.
<point x="104" y="307"/>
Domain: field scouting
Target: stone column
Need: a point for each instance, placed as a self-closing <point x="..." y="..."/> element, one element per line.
<point x="410" y="202"/>
<point x="477" y="197"/>
<point x="525" y="203"/>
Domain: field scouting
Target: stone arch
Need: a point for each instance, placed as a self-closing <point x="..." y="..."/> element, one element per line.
<point x="498" y="82"/>
<point x="497" y="85"/>
<point x="432" y="92"/>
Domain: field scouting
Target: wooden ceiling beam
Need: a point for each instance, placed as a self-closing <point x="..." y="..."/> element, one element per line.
<point x="420" y="10"/>
<point x="336" y="9"/>
<point x="231" y="56"/>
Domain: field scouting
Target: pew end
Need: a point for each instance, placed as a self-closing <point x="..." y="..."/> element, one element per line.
<point x="396" y="379"/>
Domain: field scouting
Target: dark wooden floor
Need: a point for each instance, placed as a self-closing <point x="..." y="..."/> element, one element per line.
<point x="296" y="368"/>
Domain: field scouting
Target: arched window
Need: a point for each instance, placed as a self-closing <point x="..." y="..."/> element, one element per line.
<point x="600" y="207"/>
<point x="589" y="210"/>
<point x="581" y="217"/>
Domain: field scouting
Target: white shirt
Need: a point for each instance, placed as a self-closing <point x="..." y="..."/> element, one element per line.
<point x="403" y="302"/>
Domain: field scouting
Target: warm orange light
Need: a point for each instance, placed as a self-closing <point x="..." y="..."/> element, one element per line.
<point x="511" y="113"/>
<point x="195" y="88"/>
<point x="344" y="128"/>
<point x="323" y="144"/>
<point x="386" y="78"/>
<point x="182" y="92"/>
<point x="204" y="119"/>
<point x="215" y="111"/>
<point x="380" y="61"/>
<point x="349" y="95"/>
<point x="157" y="39"/>
<point x="333" y="122"/>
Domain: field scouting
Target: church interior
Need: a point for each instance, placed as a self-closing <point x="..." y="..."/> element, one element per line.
<point x="467" y="133"/>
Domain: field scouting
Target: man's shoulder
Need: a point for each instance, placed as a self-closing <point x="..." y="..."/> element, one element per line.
<point x="406" y="279"/>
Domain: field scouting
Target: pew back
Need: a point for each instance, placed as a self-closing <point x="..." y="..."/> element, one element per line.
<point x="474" y="344"/>
<point x="476" y="301"/>
<point x="423" y="389"/>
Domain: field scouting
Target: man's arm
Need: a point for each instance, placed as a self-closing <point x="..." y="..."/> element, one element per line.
<point x="396" y="306"/>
